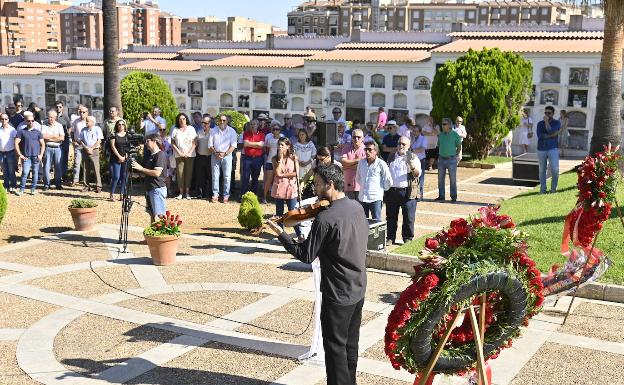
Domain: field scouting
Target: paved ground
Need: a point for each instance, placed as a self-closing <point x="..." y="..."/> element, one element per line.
<point x="234" y="311"/>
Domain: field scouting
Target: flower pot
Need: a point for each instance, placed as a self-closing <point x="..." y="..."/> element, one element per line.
<point x="163" y="249"/>
<point x="84" y="218"/>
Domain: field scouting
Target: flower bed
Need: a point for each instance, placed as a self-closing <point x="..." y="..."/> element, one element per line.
<point x="484" y="255"/>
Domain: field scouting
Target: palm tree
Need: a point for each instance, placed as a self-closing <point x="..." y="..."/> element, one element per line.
<point x="607" y="119"/>
<point x="112" y="94"/>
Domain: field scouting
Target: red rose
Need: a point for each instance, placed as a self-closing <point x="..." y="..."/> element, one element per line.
<point x="432" y="243"/>
<point x="431" y="280"/>
<point x="505" y="222"/>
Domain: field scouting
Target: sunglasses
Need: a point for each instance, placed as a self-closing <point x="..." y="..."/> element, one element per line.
<point x="163" y="129"/>
<point x="287" y="118"/>
<point x="223" y="121"/>
<point x="205" y="122"/>
<point x="29" y="121"/>
<point x="369" y="149"/>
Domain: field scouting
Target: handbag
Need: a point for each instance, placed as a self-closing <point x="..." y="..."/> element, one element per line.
<point x="530" y="134"/>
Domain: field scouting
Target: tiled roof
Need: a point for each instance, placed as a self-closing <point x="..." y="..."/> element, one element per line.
<point x="256" y="62"/>
<point x="17" y="71"/>
<point x="356" y="45"/>
<point x="522" y="46"/>
<point x="148" y="55"/>
<point x="77" y="69"/>
<point x="163" y="65"/>
<point x="245" y="51"/>
<point x="21" y="64"/>
<point x="372" y="56"/>
<point x="82" y="62"/>
<point x="528" y="34"/>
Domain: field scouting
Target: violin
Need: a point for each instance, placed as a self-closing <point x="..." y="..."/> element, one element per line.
<point x="296" y="216"/>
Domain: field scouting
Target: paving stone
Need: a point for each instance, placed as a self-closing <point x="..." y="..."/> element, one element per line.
<point x="204" y="306"/>
<point x="376" y="352"/>
<point x="556" y="364"/>
<point x="85" y="284"/>
<point x="93" y="343"/>
<point x="231" y="272"/>
<point x="10" y="373"/>
<point x="18" y="312"/>
<point x="385" y="287"/>
<point x="66" y="250"/>
<point x="216" y="363"/>
<point x="6" y="272"/>
<point x="371" y="379"/>
<point x="585" y="319"/>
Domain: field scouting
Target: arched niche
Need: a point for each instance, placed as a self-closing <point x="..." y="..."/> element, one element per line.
<point x="336" y="97"/>
<point x="400" y="101"/>
<point x="316" y="97"/>
<point x="297" y="104"/>
<point x="551" y="74"/>
<point x="28" y="89"/>
<point x="244" y="84"/>
<point x="378" y="81"/>
<point x="278" y="86"/>
<point x="336" y="79"/>
<point x="227" y="84"/>
<point x="211" y="83"/>
<point x="422" y="83"/>
<point x="226" y="100"/>
<point x="422" y="102"/>
<point x="85" y="88"/>
<point x="357" y="81"/>
<point x="577" y="119"/>
<point x="378" y="99"/>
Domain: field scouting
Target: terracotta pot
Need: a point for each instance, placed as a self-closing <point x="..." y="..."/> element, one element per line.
<point x="163" y="249"/>
<point x="85" y="219"/>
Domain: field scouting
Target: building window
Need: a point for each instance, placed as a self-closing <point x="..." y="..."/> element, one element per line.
<point x="503" y="11"/>
<point x="460" y="15"/>
<point x="416" y="25"/>
<point x="401" y="12"/>
<point x="514" y="11"/>
<point x="471" y="14"/>
<point x="544" y="11"/>
<point x="428" y="15"/>
<point x="533" y="11"/>
<point x="416" y="14"/>
<point x="484" y="11"/>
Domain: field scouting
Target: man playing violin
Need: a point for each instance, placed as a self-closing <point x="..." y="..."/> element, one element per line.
<point x="338" y="238"/>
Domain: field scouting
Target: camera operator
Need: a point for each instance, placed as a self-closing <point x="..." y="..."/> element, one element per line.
<point x="153" y="168"/>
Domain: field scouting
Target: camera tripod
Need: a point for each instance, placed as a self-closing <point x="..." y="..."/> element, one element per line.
<point x="126" y="203"/>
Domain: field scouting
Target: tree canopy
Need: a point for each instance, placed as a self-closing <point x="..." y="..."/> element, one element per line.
<point x="140" y="92"/>
<point x="487" y="88"/>
<point x="238" y="120"/>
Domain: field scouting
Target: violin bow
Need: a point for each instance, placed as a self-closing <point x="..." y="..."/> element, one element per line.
<point x="298" y="185"/>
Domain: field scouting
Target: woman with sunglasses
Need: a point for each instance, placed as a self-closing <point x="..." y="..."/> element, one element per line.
<point x="184" y="141"/>
<point x="286" y="169"/>
<point x="118" y="156"/>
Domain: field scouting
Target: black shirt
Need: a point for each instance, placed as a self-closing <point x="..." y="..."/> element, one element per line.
<point x="158" y="159"/>
<point x="64" y="120"/>
<point x="121" y="144"/>
<point x="338" y="237"/>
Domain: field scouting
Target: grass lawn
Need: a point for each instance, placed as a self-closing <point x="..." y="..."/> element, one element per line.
<point x="489" y="160"/>
<point x="542" y="217"/>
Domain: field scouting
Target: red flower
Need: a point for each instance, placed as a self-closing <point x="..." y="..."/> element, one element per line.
<point x="432" y="243"/>
<point x="506" y="222"/>
<point x="179" y="223"/>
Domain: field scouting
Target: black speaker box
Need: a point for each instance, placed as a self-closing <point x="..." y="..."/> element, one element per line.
<point x="327" y="133"/>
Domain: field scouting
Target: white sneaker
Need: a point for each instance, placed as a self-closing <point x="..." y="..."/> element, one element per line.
<point x="188" y="197"/>
<point x="179" y="197"/>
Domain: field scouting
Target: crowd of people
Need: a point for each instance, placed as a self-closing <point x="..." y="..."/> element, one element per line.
<point x="197" y="156"/>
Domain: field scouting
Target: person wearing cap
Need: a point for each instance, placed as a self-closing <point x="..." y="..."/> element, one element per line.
<point x="460" y="129"/>
<point x="270" y="150"/>
<point x="263" y="126"/>
<point x="53" y="136"/>
<point x="29" y="146"/>
<point x="390" y="141"/>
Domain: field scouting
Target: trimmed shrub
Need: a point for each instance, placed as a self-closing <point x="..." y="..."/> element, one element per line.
<point x="238" y="120"/>
<point x="140" y="92"/>
<point x="250" y="212"/>
<point x="3" y="202"/>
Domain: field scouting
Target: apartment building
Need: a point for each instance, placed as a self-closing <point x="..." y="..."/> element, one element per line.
<point x="234" y="29"/>
<point x="29" y="26"/>
<point x="81" y="26"/>
<point x="400" y="15"/>
<point x="169" y="29"/>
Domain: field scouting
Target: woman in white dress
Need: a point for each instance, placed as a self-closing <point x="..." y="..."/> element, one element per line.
<point x="305" y="151"/>
<point x="270" y="150"/>
<point x="525" y="131"/>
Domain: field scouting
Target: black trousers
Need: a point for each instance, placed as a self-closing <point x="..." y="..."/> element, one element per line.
<point x="203" y="176"/>
<point x="397" y="199"/>
<point x="341" y="333"/>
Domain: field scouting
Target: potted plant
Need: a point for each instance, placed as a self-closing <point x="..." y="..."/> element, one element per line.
<point x="84" y="213"/>
<point x="162" y="238"/>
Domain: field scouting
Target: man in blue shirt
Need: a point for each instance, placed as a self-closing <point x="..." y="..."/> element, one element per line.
<point x="548" y="148"/>
<point x="29" y="146"/>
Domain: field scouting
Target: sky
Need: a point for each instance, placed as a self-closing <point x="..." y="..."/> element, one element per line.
<point x="267" y="11"/>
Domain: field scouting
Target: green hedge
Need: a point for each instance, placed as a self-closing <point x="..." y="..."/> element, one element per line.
<point x="238" y="120"/>
<point x="3" y="202"/>
<point x="250" y="212"/>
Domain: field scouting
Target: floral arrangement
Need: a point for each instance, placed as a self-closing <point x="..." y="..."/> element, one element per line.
<point x="597" y="182"/>
<point x="484" y="254"/>
<point x="167" y="224"/>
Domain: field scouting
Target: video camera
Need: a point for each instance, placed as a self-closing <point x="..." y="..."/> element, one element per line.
<point x="135" y="140"/>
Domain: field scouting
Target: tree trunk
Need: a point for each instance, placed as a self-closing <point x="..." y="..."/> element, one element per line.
<point x="112" y="94"/>
<point x="608" y="118"/>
